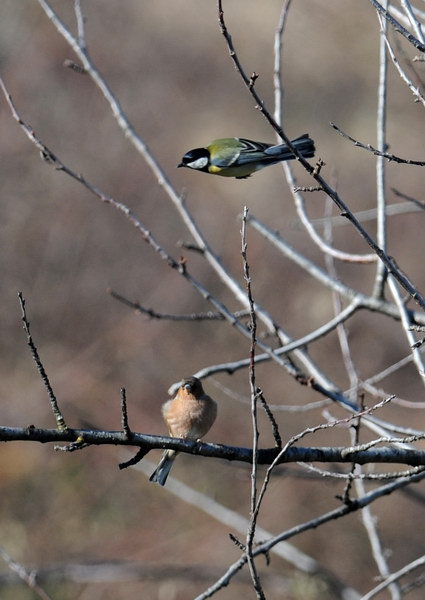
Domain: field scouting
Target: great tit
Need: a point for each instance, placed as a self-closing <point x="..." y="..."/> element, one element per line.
<point x="238" y="157"/>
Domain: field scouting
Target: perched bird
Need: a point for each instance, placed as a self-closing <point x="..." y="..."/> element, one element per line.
<point x="238" y="157"/>
<point x="190" y="414"/>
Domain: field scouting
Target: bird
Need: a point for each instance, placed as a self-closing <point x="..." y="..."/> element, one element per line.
<point x="190" y="414"/>
<point x="240" y="158"/>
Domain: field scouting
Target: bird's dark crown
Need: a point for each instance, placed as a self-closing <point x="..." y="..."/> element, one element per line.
<point x="195" y="154"/>
<point x="193" y="385"/>
<point x="198" y="159"/>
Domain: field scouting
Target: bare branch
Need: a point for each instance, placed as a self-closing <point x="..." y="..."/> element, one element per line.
<point x="413" y="88"/>
<point x="232" y="519"/>
<point x="405" y="321"/>
<point x="397" y="26"/>
<point x="326" y="248"/>
<point x="250" y="534"/>
<point x="124" y="413"/>
<point x="29" y="577"/>
<point x="413" y="20"/>
<point x="313" y="524"/>
<point x="374" y="304"/>
<point x="277" y="72"/>
<point x="378" y="552"/>
<point x="373" y="150"/>
<point x="399" y="208"/>
<point x="362" y="476"/>
<point x="419" y="562"/>
<point x="418" y="203"/>
<point x="60" y="421"/>
<point x="150" y="312"/>
<point x="233" y="453"/>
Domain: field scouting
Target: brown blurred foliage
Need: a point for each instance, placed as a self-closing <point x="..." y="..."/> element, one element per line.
<point x="167" y="63"/>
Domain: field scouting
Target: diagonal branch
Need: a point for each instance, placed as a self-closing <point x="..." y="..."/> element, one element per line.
<point x="415" y="564"/>
<point x="332" y="515"/>
<point x="388" y="261"/>
<point x="397" y="26"/>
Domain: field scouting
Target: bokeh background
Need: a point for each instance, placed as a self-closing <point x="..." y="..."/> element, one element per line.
<point x="168" y="65"/>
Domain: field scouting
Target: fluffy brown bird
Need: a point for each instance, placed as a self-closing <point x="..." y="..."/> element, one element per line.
<point x="190" y="414"/>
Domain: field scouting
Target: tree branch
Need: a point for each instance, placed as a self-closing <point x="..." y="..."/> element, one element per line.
<point x="233" y="453"/>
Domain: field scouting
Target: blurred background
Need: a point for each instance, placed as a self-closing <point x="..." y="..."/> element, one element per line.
<point x="169" y="66"/>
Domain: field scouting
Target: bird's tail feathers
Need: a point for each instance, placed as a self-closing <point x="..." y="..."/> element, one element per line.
<point x="304" y="144"/>
<point x="164" y="466"/>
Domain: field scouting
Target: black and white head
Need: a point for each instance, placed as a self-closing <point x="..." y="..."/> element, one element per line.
<point x="197" y="159"/>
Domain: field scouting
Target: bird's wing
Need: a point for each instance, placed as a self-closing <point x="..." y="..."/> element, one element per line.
<point x="251" y="146"/>
<point x="252" y="152"/>
<point x="228" y="156"/>
<point x="236" y="151"/>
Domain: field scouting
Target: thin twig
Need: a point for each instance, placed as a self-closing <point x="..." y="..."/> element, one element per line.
<point x="401" y="16"/>
<point x="419" y="562"/>
<point x="325" y="247"/>
<point x="277" y="72"/>
<point x="255" y="433"/>
<point x="344" y="347"/>
<point x="80" y="24"/>
<point x="153" y="314"/>
<point x="378" y="551"/>
<point x="381" y="122"/>
<point x="373" y="150"/>
<point x="270" y="416"/>
<point x="380" y="393"/>
<point x="29" y="577"/>
<point x="398" y="208"/>
<point x="60" y="421"/>
<point x="367" y="517"/>
<point x="413" y="20"/>
<point x="364" y="476"/>
<point x="413" y="88"/>
<point x="417" y="583"/>
<point x="398" y="27"/>
<point x="338" y="307"/>
<point x="124" y="414"/>
<point x="91" y="573"/>
<point x="418" y="203"/>
<point x="406" y="324"/>
<point x="272" y="407"/>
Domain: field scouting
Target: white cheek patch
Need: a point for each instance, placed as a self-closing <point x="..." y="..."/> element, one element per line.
<point x="198" y="164"/>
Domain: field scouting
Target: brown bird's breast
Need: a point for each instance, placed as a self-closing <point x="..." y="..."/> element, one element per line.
<point x="189" y="417"/>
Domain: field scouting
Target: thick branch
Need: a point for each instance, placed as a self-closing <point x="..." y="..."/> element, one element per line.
<point x="265" y="456"/>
